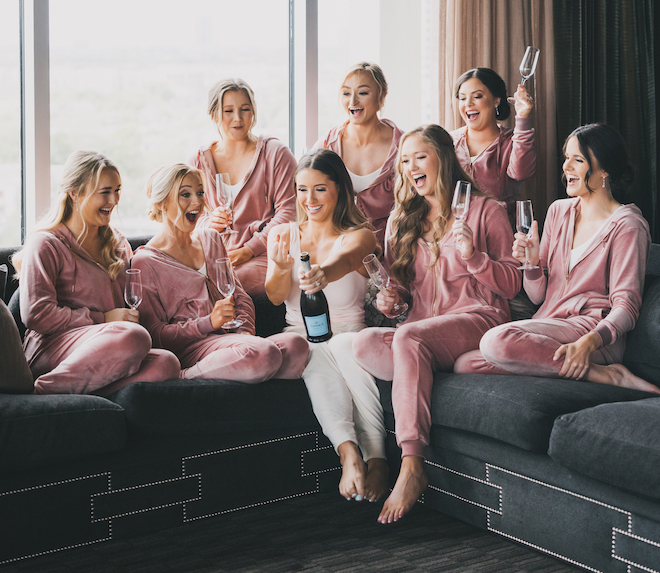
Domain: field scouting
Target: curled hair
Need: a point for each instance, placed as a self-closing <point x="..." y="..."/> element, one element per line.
<point x="376" y="74"/>
<point x="607" y="147"/>
<point x="495" y="85"/>
<point x="80" y="178"/>
<point x="164" y="185"/>
<point x="346" y="216"/>
<point x="409" y="220"/>
<point x="218" y="91"/>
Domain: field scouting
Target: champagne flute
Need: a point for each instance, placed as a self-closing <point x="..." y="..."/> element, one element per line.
<point x="461" y="202"/>
<point x="527" y="67"/>
<point x="381" y="279"/>
<point x="226" y="284"/>
<point x="226" y="197"/>
<point x="133" y="288"/>
<point x="524" y="220"/>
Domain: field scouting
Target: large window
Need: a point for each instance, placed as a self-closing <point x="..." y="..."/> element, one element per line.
<point x="10" y="125"/>
<point x="131" y="80"/>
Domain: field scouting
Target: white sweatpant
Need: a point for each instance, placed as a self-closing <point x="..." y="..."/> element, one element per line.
<point x="344" y="396"/>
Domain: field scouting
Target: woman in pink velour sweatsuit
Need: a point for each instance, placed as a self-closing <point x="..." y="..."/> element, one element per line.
<point x="260" y="171"/>
<point x="80" y="338"/>
<point x="592" y="261"/>
<point x="497" y="158"/>
<point x="183" y="309"/>
<point x="367" y="145"/>
<point x="455" y="293"/>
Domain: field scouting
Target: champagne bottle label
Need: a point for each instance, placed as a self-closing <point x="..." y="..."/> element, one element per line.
<point x="316" y="325"/>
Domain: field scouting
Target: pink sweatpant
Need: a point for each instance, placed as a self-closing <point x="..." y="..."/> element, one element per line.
<point x="100" y="359"/>
<point x="245" y="358"/>
<point x="527" y="347"/>
<point x="252" y="275"/>
<point x="408" y="355"/>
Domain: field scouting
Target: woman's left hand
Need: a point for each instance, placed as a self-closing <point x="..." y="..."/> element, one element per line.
<point x="464" y="238"/>
<point x="577" y="356"/>
<point x="524" y="103"/>
<point x="313" y="280"/>
<point x="240" y="256"/>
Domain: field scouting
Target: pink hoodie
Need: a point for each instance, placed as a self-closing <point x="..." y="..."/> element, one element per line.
<point x="500" y="167"/>
<point x="63" y="287"/>
<point x="606" y="282"/>
<point x="377" y="200"/>
<point x="481" y="284"/>
<point x="266" y="198"/>
<point x="177" y="304"/>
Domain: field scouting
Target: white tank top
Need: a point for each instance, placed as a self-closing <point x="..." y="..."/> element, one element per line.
<point x="345" y="296"/>
<point x="361" y="182"/>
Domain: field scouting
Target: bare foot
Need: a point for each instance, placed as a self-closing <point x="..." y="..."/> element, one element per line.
<point x="353" y="471"/>
<point x="376" y="484"/>
<point x="410" y="484"/>
<point x="619" y="375"/>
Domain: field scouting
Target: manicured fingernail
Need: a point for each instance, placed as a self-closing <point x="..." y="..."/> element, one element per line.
<point x="348" y="499"/>
<point x="354" y="495"/>
<point x="358" y="498"/>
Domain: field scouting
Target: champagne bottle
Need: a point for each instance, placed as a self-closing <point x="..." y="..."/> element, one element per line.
<point x="314" y="310"/>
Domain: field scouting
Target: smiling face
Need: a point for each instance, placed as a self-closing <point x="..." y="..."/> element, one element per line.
<point x="476" y="104"/>
<point x="359" y="97"/>
<point x="235" y="115"/>
<point x="183" y="207"/>
<point x="316" y="194"/>
<point x="419" y="163"/>
<point x="576" y="168"/>
<point x="96" y="206"/>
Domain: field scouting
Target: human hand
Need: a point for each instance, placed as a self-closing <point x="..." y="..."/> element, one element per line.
<point x="223" y="311"/>
<point x="278" y="252"/>
<point x="527" y="248"/>
<point x="240" y="256"/>
<point x="524" y="102"/>
<point x="122" y="314"/>
<point x="464" y="238"/>
<point x="387" y="300"/>
<point x="313" y="280"/>
<point x="577" y="356"/>
<point x="220" y="219"/>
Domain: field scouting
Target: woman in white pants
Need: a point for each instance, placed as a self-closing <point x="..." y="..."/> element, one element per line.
<point x="337" y="237"/>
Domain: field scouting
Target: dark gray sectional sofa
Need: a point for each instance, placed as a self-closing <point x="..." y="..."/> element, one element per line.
<point x="569" y="468"/>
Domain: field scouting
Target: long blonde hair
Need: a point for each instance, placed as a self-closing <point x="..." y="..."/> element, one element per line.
<point x="80" y="178"/>
<point x="411" y="210"/>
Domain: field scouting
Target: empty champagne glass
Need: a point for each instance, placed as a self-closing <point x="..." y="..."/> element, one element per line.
<point x="524" y="220"/>
<point x="226" y="197"/>
<point x="381" y="279"/>
<point x="226" y="284"/>
<point x="461" y="202"/>
<point x="527" y="67"/>
<point x="133" y="288"/>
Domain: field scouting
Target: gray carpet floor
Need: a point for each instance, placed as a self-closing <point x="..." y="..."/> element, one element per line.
<point x="322" y="533"/>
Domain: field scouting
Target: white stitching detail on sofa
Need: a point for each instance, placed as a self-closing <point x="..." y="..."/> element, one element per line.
<point x="615" y="530"/>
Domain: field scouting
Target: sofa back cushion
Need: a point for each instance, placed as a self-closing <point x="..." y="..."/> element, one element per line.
<point x="642" y="353"/>
<point x="15" y="375"/>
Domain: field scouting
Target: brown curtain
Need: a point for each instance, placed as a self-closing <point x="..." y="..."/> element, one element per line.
<point x="494" y="34"/>
<point x="606" y="69"/>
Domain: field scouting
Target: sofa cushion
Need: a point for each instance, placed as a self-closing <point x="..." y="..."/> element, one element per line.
<point x="642" y="353"/>
<point x="15" y="375"/>
<point x="616" y="443"/>
<point x="41" y="430"/>
<point x="204" y="406"/>
<point x="518" y="410"/>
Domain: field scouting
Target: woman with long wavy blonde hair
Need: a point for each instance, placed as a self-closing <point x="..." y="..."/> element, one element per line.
<point x="80" y="338"/>
<point x="455" y="293"/>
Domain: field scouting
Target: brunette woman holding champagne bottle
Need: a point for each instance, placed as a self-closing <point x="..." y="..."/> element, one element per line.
<point x="337" y="236"/>
<point x="456" y="292"/>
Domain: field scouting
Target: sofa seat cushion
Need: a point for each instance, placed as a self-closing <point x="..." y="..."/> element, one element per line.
<point x="616" y="443"/>
<point x="518" y="410"/>
<point x="42" y="430"/>
<point x="205" y="406"/>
